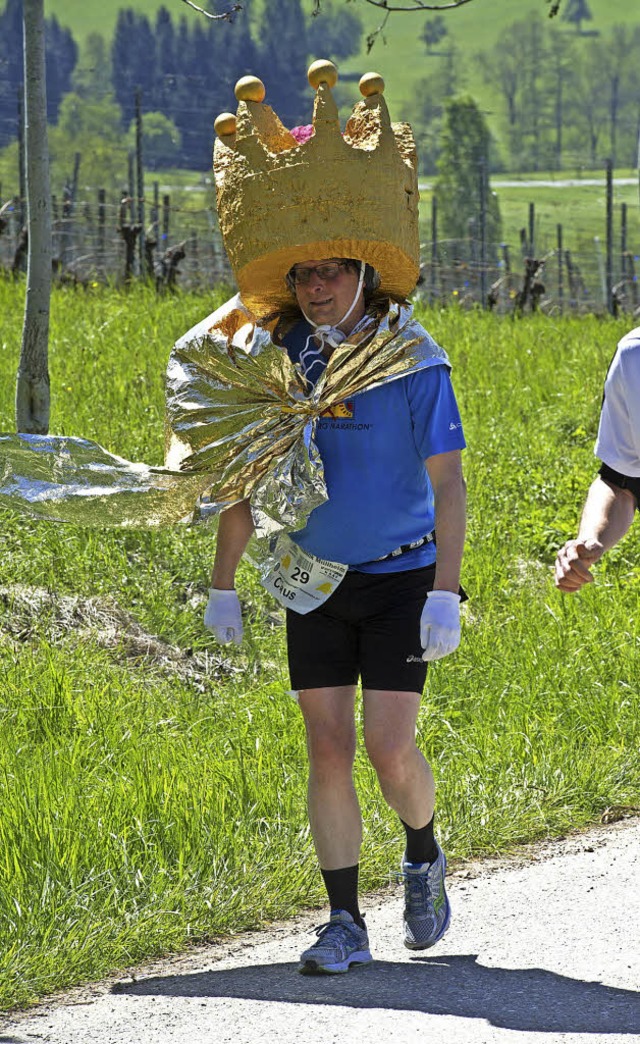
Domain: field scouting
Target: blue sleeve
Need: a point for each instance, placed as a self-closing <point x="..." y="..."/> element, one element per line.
<point x="437" y="426"/>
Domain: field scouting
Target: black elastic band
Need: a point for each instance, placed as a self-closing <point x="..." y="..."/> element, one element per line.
<point x="402" y="550"/>
<point x="615" y="478"/>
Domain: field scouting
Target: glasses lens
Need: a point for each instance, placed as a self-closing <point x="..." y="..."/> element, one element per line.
<point x="302" y="276"/>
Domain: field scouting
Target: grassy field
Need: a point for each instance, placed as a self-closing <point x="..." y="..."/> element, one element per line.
<point x="152" y="785"/>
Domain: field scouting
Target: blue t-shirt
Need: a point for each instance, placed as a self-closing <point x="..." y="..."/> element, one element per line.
<point x="373" y="448"/>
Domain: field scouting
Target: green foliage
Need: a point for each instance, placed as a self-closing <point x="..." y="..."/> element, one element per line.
<point x="92" y="128"/>
<point x="336" y="31"/>
<point x="446" y="78"/>
<point x="61" y="55"/>
<point x="161" y="141"/>
<point x="92" y="75"/>
<point x="434" y="30"/>
<point x="562" y="97"/>
<point x="463" y="173"/>
<point x="136" y="796"/>
<point x="576" y="12"/>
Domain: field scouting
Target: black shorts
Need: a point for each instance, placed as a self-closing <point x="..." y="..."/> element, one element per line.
<point x="368" y="628"/>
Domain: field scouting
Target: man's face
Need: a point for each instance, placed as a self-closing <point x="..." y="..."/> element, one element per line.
<point x="326" y="294"/>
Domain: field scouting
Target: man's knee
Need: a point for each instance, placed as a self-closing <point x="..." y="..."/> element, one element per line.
<point x="330" y="748"/>
<point x="390" y="757"/>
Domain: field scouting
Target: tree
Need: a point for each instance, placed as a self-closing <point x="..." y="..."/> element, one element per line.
<point x="133" y="57"/>
<point x="587" y="103"/>
<point x="462" y="185"/>
<point x="433" y="32"/>
<point x="161" y="143"/>
<point x="560" y="77"/>
<point x="61" y="55"/>
<point x="576" y="12"/>
<point x="430" y="97"/>
<point x="335" y="31"/>
<point x="517" y="67"/>
<point x="32" y="384"/>
<point x="93" y="128"/>
<point x="282" y="60"/>
<point x="92" y="75"/>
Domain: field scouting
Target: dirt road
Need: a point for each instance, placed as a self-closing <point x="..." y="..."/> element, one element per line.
<point x="543" y="947"/>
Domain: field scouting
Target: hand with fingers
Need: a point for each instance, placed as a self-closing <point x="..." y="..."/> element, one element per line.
<point x="573" y="564"/>
<point x="223" y="616"/>
<point x="440" y="624"/>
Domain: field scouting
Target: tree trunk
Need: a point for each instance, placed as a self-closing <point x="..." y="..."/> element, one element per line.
<point x="32" y="385"/>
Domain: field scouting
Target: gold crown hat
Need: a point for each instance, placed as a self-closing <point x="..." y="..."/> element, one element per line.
<point x="281" y="201"/>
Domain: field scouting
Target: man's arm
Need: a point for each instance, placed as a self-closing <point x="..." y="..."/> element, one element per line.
<point x="223" y="616"/>
<point x="234" y="532"/>
<point x="606" y="517"/>
<point x="450" y="497"/>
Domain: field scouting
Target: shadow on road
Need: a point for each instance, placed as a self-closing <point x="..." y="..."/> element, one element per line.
<point x="525" y="999"/>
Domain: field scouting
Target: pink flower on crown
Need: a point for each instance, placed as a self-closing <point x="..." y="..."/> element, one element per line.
<point x="303" y="133"/>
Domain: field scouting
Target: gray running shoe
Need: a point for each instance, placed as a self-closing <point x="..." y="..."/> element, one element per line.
<point x="340" y="944"/>
<point x="426" y="906"/>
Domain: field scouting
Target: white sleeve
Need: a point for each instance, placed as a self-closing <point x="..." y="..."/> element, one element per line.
<point x="618" y="442"/>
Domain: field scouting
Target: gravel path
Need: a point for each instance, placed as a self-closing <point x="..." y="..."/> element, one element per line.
<point x="543" y="947"/>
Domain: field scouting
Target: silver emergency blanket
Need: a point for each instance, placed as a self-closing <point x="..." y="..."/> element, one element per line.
<point x="240" y="424"/>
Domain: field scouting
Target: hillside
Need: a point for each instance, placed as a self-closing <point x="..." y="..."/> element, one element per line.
<point x="402" y="60"/>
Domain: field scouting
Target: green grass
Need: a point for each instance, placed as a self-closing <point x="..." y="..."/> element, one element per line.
<point x="144" y="807"/>
<point x="579" y="207"/>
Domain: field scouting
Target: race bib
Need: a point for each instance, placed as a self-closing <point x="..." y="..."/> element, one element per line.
<point x="299" y="580"/>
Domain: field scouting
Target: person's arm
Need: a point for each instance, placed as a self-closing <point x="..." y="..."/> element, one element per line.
<point x="440" y="620"/>
<point x="234" y="532"/>
<point x="606" y="517"/>
<point x="223" y="616"/>
<point x="450" y="499"/>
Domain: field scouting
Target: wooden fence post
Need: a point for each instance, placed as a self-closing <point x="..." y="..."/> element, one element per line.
<point x="131" y="188"/>
<point x="166" y="215"/>
<point x="560" y="268"/>
<point x="482" y="177"/>
<point x="102" y="215"/>
<point x="608" y="287"/>
<point x="532" y="230"/>
<point x="623" y="241"/>
<point x="140" y="184"/>
<point x="434" y="250"/>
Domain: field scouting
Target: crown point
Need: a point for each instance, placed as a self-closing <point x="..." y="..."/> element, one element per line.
<point x="225" y="124"/>
<point x="250" y="88"/>
<point x="322" y="71"/>
<point x="371" y="83"/>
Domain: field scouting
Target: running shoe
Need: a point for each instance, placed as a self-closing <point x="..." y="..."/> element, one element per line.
<point x="426" y="906"/>
<point x="340" y="944"/>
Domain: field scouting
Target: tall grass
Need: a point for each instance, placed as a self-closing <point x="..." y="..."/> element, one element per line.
<point x="142" y="807"/>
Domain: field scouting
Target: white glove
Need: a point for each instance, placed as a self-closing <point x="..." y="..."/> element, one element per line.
<point x="223" y="616"/>
<point x="440" y="624"/>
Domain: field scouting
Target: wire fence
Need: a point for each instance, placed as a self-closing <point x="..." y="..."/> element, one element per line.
<point x="97" y="240"/>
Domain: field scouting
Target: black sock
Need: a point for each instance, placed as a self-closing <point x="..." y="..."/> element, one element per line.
<point x="421" y="844"/>
<point x="342" y="889"/>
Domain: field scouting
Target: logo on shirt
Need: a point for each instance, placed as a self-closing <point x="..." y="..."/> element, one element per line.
<point x="453" y="425"/>
<point x="340" y="410"/>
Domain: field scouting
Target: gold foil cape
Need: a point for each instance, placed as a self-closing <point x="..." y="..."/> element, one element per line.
<point x="239" y="425"/>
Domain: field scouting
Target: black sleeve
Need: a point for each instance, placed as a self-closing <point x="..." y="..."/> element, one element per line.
<point x="614" y="478"/>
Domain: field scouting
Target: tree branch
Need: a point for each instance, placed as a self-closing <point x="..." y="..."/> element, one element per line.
<point x="227" y="16"/>
<point x="418" y="5"/>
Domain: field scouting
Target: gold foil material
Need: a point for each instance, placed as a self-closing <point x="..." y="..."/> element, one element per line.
<point x="239" y="424"/>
